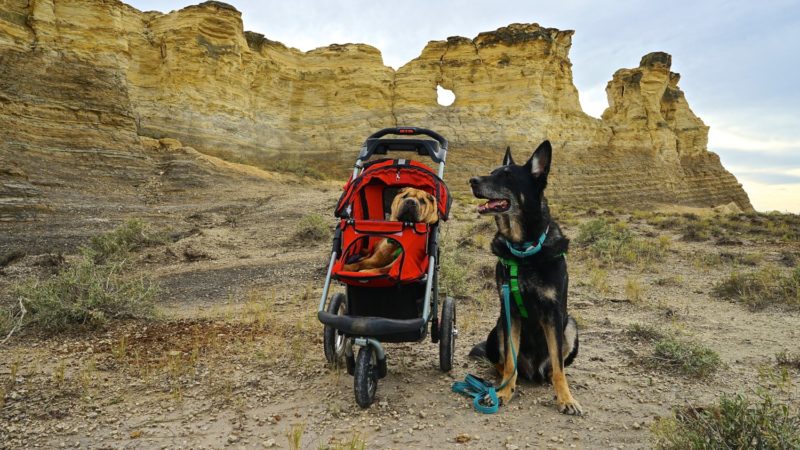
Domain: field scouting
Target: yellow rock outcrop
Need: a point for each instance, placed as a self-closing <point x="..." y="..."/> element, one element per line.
<point x="83" y="82"/>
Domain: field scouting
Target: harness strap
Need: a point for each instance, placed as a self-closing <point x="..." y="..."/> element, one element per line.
<point x="528" y="248"/>
<point x="513" y="285"/>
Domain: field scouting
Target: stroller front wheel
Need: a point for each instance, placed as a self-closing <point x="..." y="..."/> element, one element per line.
<point x="332" y="340"/>
<point x="447" y="334"/>
<point x="365" y="378"/>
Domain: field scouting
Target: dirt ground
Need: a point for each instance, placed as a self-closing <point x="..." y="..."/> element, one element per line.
<point x="235" y="358"/>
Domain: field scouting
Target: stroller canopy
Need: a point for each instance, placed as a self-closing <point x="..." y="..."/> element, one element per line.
<point x="369" y="195"/>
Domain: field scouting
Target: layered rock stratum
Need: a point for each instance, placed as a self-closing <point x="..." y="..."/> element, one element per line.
<point x="87" y="87"/>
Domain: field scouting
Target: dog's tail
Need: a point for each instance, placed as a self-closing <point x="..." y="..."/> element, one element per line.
<point x="479" y="351"/>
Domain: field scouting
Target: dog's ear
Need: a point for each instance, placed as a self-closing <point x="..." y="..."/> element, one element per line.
<point x="508" y="160"/>
<point x="539" y="164"/>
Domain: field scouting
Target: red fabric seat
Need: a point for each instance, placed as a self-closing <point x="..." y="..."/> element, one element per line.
<point x="359" y="238"/>
<point x="364" y="208"/>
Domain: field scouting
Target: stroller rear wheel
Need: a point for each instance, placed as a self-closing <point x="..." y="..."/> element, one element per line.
<point x="365" y="378"/>
<point x="332" y="340"/>
<point x="447" y="334"/>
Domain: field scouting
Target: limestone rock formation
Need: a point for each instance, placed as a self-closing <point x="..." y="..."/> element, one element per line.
<point x="86" y="85"/>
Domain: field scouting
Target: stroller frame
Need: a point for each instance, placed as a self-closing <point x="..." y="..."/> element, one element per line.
<point x="342" y="332"/>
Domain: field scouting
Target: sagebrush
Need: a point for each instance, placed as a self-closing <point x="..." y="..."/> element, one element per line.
<point x="733" y="423"/>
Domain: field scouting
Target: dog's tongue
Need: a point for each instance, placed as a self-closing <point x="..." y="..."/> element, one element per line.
<point x="494" y="204"/>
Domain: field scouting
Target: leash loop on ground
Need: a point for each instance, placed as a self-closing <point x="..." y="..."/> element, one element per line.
<point x="483" y="393"/>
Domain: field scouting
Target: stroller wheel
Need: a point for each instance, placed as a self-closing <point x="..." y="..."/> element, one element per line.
<point x="447" y="335"/>
<point x="332" y="341"/>
<point x="365" y="379"/>
<point x="350" y="362"/>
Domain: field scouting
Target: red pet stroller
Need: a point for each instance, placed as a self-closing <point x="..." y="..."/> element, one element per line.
<point x="398" y="305"/>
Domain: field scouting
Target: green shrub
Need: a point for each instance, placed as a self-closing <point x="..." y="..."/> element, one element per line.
<point x="115" y="245"/>
<point x="644" y="332"/>
<point x="616" y="243"/>
<point x="453" y="271"/>
<point x="734" y="423"/>
<point x="89" y="291"/>
<point x="787" y="359"/>
<point x="86" y="293"/>
<point x="683" y="357"/>
<point x="313" y="227"/>
<point x="762" y="288"/>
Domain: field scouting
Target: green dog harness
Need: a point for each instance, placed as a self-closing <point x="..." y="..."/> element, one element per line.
<point x="513" y="285"/>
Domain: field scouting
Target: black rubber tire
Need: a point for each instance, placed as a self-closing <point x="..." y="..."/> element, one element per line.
<point x="383" y="367"/>
<point x="447" y="339"/>
<point x="337" y="305"/>
<point x="365" y="379"/>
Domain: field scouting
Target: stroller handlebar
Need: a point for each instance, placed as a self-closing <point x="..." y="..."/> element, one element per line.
<point x="411" y="131"/>
<point x="435" y="149"/>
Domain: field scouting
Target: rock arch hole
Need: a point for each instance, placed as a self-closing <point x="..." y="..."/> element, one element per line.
<point x="444" y="97"/>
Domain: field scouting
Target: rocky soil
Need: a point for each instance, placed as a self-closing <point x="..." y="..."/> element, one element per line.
<point x="235" y="359"/>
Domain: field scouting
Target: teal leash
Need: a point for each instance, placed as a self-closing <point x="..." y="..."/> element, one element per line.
<point x="483" y="393"/>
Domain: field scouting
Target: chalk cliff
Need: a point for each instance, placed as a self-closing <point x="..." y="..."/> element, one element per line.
<point x="86" y="84"/>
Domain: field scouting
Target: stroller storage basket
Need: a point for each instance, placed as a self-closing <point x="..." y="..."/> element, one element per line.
<point x="359" y="239"/>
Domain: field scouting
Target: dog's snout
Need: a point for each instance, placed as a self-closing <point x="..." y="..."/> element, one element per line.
<point x="473" y="181"/>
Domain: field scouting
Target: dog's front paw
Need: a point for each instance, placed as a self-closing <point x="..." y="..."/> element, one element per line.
<point x="570" y="407"/>
<point x="505" y="394"/>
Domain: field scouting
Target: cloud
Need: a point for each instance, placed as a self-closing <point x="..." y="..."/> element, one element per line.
<point x="770" y="177"/>
<point x="773" y="197"/>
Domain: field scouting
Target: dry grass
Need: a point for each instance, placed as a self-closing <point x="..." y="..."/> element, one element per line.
<point x="735" y="422"/>
<point x="644" y="332"/>
<point x="788" y="359"/>
<point x="614" y="243"/>
<point x="767" y="227"/>
<point x="768" y="286"/>
<point x="313" y="227"/>
<point x="683" y="357"/>
<point x="598" y="279"/>
<point x="633" y="290"/>
<point x="95" y="288"/>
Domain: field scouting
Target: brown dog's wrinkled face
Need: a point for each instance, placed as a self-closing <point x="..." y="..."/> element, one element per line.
<point x="414" y="205"/>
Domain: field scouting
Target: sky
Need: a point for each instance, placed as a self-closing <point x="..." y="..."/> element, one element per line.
<point x="738" y="60"/>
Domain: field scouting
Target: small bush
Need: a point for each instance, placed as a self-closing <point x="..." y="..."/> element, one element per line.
<point x="673" y="280"/>
<point x="665" y="222"/>
<point x="762" y="288"/>
<point x="86" y="294"/>
<point x="598" y="279"/>
<point x="644" y="332"/>
<point x="687" y="358"/>
<point x="633" y="290"/>
<point x="132" y="235"/>
<point x="453" y="270"/>
<point x="734" y="423"/>
<point x="615" y="243"/>
<point x="89" y="291"/>
<point x="696" y="231"/>
<point x="787" y="359"/>
<point x="313" y="227"/>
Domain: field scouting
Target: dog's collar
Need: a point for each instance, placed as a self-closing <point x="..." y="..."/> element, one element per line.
<point x="527" y="249"/>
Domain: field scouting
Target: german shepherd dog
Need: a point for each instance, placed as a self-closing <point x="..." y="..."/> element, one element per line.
<point x="547" y="340"/>
<point x="409" y="205"/>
